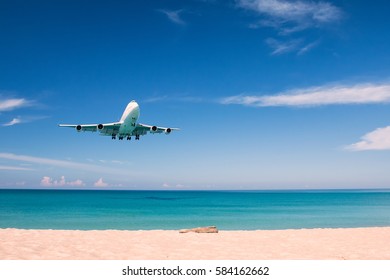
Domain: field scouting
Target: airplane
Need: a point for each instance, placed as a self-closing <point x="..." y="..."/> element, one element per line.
<point x="127" y="126"/>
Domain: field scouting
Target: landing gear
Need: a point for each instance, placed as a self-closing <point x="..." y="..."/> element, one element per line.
<point x="120" y="137"/>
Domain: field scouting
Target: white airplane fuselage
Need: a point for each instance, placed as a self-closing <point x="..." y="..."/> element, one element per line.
<point x="126" y="127"/>
<point x="129" y="118"/>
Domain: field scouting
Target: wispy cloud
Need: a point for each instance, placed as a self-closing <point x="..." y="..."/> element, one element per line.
<point x="287" y="46"/>
<point x="304" y="49"/>
<point x="25" y="119"/>
<point x="281" y="14"/>
<point x="289" y="18"/>
<point x="173" y="16"/>
<point x="15" y="168"/>
<point x="46" y="161"/>
<point x="318" y="96"/>
<point x="11" y="104"/>
<point x="64" y="164"/>
<point x="13" y="122"/>
<point x="13" y="184"/>
<point x="378" y="139"/>
<point x="49" y="182"/>
<point x="280" y="47"/>
<point x="174" y="98"/>
<point x="156" y="99"/>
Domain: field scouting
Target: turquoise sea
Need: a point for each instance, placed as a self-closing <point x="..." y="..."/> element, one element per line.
<point x="228" y="210"/>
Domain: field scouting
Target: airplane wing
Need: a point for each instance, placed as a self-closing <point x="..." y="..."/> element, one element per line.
<point x="142" y="129"/>
<point x="103" y="128"/>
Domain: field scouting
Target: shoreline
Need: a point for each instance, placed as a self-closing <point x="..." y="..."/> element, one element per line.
<point x="368" y="243"/>
<point x="178" y="230"/>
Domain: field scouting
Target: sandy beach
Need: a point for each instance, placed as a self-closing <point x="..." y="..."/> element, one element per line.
<point x="302" y="244"/>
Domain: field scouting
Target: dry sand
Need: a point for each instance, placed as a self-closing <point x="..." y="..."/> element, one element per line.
<point x="303" y="244"/>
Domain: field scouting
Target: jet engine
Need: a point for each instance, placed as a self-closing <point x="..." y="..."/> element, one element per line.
<point x="100" y="126"/>
<point x="153" y="128"/>
<point x="168" y="130"/>
<point x="78" y="127"/>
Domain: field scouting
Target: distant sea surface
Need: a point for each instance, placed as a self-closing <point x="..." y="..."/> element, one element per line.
<point x="228" y="210"/>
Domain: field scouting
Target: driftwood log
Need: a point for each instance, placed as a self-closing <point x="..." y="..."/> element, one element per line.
<point x="211" y="229"/>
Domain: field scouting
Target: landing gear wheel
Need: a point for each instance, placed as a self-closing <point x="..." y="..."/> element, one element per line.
<point x="128" y="138"/>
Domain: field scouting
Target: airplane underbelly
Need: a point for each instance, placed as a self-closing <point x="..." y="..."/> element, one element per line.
<point x="129" y="123"/>
<point x="126" y="129"/>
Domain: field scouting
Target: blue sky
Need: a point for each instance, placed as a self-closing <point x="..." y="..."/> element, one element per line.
<point x="268" y="94"/>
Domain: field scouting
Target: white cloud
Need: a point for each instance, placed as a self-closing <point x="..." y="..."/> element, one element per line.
<point x="78" y="182"/>
<point x="13" y="122"/>
<point x="13" y="103"/>
<point x="64" y="164"/>
<point x="25" y="119"/>
<point x="317" y="96"/>
<point x="49" y="182"/>
<point x="303" y="14"/>
<point x="378" y="139"/>
<point x="17" y="168"/>
<point x="287" y="46"/>
<point x="308" y="47"/>
<point x="47" y="161"/>
<point x="13" y="184"/>
<point x="176" y="186"/>
<point x="156" y="99"/>
<point x="281" y="47"/>
<point x="173" y="16"/>
<point x="291" y="17"/>
<point x="46" y="181"/>
<point x="100" y="183"/>
<point x="175" y="98"/>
